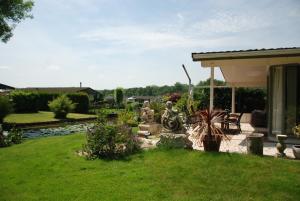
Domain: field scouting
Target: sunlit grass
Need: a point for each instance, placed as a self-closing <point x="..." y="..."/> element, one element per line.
<point x="49" y="169"/>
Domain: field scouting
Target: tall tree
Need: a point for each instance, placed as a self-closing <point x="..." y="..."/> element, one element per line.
<point x="11" y="13"/>
<point x="119" y="96"/>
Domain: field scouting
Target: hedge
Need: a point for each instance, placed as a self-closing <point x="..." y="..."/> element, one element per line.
<point x="29" y="102"/>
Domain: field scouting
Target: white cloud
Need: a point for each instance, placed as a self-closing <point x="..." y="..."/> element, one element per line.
<point x="4" y="67"/>
<point x="54" y="67"/>
<point x="229" y="23"/>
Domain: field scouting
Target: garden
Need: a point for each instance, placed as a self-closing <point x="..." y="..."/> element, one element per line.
<point x="105" y="159"/>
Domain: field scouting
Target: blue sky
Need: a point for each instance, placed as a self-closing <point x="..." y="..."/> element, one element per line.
<point x="130" y="43"/>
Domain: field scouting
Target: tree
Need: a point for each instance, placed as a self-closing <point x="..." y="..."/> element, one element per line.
<point x="118" y="95"/>
<point x="61" y="106"/>
<point x="5" y="107"/>
<point x="11" y="13"/>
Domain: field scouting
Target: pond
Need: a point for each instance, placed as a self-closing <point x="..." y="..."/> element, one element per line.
<point x="56" y="131"/>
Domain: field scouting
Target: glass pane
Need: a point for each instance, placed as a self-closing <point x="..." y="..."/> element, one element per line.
<point x="292" y="98"/>
<point x="277" y="99"/>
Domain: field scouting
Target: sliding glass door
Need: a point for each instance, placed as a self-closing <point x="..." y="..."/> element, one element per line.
<point x="284" y="98"/>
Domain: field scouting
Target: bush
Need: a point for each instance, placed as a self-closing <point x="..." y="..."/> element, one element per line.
<point x="44" y="99"/>
<point x="25" y="102"/>
<point x="110" y="141"/>
<point x="61" y="106"/>
<point x="158" y="108"/>
<point x="81" y="100"/>
<point x="5" y="107"/>
<point x="128" y="118"/>
<point x="14" y="136"/>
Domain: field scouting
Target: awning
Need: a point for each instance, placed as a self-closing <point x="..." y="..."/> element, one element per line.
<point x="247" y="68"/>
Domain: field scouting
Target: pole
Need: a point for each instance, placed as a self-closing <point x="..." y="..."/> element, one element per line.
<point x="211" y="98"/>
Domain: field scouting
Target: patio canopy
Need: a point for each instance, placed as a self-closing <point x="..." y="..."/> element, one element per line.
<point x="245" y="68"/>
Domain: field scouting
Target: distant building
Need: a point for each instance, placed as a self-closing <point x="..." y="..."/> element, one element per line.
<point x="5" y="89"/>
<point x="141" y="99"/>
<point x="93" y="94"/>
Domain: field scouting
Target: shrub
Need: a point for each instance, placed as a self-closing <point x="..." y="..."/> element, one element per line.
<point x="5" y="107"/>
<point x="158" y="108"/>
<point x="81" y="101"/>
<point x="134" y="106"/>
<point x="44" y="99"/>
<point x="14" y="136"/>
<point x="110" y="141"/>
<point x="128" y="118"/>
<point x="61" y="106"/>
<point x="24" y="102"/>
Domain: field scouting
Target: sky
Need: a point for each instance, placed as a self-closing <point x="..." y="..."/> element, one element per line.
<point x="134" y="43"/>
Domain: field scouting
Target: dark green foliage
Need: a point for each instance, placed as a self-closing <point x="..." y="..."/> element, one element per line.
<point x="44" y="99"/>
<point x="25" y="102"/>
<point x="61" y="106"/>
<point x="81" y="101"/>
<point x="11" y="13"/>
<point x="118" y="96"/>
<point x="151" y="90"/>
<point x="13" y="136"/>
<point x="28" y="102"/>
<point x="5" y="107"/>
<point x="247" y="99"/>
<point x="158" y="108"/>
<point x="110" y="141"/>
<point x="16" y="135"/>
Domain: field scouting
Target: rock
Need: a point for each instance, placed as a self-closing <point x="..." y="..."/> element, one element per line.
<point x="172" y="140"/>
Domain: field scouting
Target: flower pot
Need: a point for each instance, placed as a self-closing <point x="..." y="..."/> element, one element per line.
<point x="255" y="144"/>
<point x="296" y="151"/>
<point x="212" y="143"/>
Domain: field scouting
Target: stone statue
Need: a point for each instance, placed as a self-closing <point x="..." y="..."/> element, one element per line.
<point x="147" y="115"/>
<point x="170" y="119"/>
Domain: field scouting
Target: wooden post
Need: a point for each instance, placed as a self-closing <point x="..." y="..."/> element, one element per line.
<point x="233" y="100"/>
<point x="211" y="99"/>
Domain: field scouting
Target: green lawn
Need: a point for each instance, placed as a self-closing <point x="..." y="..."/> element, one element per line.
<point x="49" y="169"/>
<point x="41" y="117"/>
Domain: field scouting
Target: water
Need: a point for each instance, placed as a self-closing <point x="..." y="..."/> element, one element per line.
<point x="66" y="130"/>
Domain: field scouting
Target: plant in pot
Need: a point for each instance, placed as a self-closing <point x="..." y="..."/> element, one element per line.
<point x="296" y="148"/>
<point x="206" y="132"/>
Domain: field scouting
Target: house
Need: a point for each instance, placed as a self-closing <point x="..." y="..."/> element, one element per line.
<point x="140" y="99"/>
<point x="93" y="94"/>
<point x="276" y="69"/>
<point x="5" y="89"/>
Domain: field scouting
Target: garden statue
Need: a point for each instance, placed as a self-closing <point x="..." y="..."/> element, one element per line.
<point x="147" y="115"/>
<point x="173" y="134"/>
<point x="170" y="119"/>
<point x="148" y="126"/>
<point x="281" y="146"/>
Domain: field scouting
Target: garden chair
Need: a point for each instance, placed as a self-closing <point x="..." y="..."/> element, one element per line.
<point x="234" y="119"/>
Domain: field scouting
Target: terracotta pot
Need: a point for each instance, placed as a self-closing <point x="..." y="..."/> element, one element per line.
<point x="212" y="144"/>
<point x="296" y="151"/>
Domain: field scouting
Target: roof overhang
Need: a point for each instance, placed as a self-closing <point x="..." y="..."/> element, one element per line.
<point x="247" y="68"/>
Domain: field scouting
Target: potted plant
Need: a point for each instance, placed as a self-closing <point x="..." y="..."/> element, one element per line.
<point x="205" y="132"/>
<point x="296" y="148"/>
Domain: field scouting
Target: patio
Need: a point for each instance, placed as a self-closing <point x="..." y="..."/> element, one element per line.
<point x="238" y="142"/>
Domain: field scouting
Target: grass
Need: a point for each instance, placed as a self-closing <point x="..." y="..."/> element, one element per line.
<point x="41" y="117"/>
<point x="49" y="169"/>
